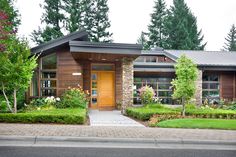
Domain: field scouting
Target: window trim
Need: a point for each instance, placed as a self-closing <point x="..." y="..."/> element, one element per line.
<point x="41" y="79"/>
<point x="208" y="82"/>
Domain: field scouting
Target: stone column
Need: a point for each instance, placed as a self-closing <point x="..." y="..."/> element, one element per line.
<point x="198" y="94"/>
<point x="127" y="83"/>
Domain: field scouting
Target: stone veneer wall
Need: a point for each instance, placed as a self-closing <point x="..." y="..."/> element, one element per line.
<point x="127" y="83"/>
<point x="198" y="94"/>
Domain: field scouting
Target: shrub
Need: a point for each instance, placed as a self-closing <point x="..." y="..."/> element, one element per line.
<point x="43" y="103"/>
<point x="63" y="116"/>
<point x="74" y="97"/>
<point x="145" y="113"/>
<point x="155" y="119"/>
<point x="146" y="94"/>
<point x="3" y="106"/>
<point x="230" y="106"/>
<point x="211" y="113"/>
<point x="190" y="106"/>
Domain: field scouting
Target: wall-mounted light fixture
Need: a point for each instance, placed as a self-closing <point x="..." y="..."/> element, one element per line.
<point x="76" y="74"/>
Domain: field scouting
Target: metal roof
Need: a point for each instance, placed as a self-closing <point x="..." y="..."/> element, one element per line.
<point x="79" y="35"/>
<point x="207" y="58"/>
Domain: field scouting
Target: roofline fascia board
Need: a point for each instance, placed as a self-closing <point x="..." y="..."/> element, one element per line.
<point x="144" y="64"/>
<point x="59" y="42"/>
<point x="105" y="48"/>
<point x="218" y="68"/>
<point x="106" y="45"/>
<point x="154" y="70"/>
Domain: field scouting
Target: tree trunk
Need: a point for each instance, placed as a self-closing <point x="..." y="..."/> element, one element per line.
<point x="15" y="101"/>
<point x="183" y="107"/>
<point x="5" y="96"/>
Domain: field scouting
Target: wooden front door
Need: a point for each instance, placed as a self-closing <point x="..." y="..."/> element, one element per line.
<point x="102" y="91"/>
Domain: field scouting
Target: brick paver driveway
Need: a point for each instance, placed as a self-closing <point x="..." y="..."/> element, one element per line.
<point x="114" y="132"/>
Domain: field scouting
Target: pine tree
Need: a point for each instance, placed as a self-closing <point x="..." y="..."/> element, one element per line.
<point x="7" y="6"/>
<point x="53" y="18"/>
<point x="143" y="40"/>
<point x="230" y="44"/>
<point x="96" y="20"/>
<point x="181" y="28"/>
<point x="74" y="9"/>
<point x="156" y="28"/>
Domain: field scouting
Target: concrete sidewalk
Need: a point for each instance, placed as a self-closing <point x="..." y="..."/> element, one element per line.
<point x="111" y="118"/>
<point x="114" y="132"/>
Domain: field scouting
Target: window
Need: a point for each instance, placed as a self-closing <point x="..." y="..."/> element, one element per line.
<point x="103" y="67"/>
<point x="211" y="88"/>
<point x="161" y="86"/>
<point x="151" y="59"/>
<point x="94" y="93"/>
<point x="34" y="85"/>
<point x="48" y="79"/>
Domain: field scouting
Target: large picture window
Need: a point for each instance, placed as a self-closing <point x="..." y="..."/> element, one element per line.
<point x="161" y="86"/>
<point x="48" y="79"/>
<point x="211" y="88"/>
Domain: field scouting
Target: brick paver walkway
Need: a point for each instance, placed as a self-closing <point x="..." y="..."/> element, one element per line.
<point x="114" y="132"/>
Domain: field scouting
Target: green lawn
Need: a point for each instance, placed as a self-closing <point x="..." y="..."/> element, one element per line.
<point x="199" y="123"/>
<point x="63" y="116"/>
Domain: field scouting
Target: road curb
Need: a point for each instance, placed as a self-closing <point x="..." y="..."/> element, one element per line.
<point x="69" y="139"/>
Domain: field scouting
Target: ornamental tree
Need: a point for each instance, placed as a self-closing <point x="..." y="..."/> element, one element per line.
<point x="184" y="83"/>
<point x="16" y="63"/>
<point x="16" y="68"/>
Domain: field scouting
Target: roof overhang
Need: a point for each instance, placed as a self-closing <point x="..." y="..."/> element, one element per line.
<point x="60" y="42"/>
<point x="103" y="51"/>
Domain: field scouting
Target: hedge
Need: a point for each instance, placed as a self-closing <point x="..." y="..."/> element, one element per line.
<point x="144" y="113"/>
<point x="212" y="113"/>
<point x="62" y="116"/>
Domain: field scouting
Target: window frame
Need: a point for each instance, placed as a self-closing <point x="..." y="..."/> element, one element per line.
<point x="41" y="79"/>
<point x="208" y="82"/>
<point x="151" y="81"/>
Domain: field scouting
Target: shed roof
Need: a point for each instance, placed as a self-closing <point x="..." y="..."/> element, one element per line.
<point x="77" y="36"/>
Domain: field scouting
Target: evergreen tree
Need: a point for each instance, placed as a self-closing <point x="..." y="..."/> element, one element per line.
<point x="53" y="18"/>
<point x="230" y="44"/>
<point x="181" y="28"/>
<point x="75" y="9"/>
<point x="143" y="40"/>
<point x="156" y="28"/>
<point x="7" y="6"/>
<point x="96" y="20"/>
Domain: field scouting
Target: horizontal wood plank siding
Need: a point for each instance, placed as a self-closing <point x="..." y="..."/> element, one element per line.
<point x="227" y="85"/>
<point x="118" y="82"/>
<point x="67" y="65"/>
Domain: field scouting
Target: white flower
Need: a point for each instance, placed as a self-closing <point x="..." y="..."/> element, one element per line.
<point x="58" y="99"/>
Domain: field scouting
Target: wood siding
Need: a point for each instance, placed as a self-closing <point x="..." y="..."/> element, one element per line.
<point x="118" y="82"/>
<point x="66" y="66"/>
<point x="227" y="84"/>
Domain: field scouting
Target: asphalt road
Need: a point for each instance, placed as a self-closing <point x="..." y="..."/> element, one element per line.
<point x="110" y="152"/>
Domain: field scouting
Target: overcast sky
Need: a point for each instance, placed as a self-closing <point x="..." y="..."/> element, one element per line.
<point x="130" y="17"/>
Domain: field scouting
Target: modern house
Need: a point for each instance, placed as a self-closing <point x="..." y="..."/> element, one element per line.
<point x="114" y="72"/>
